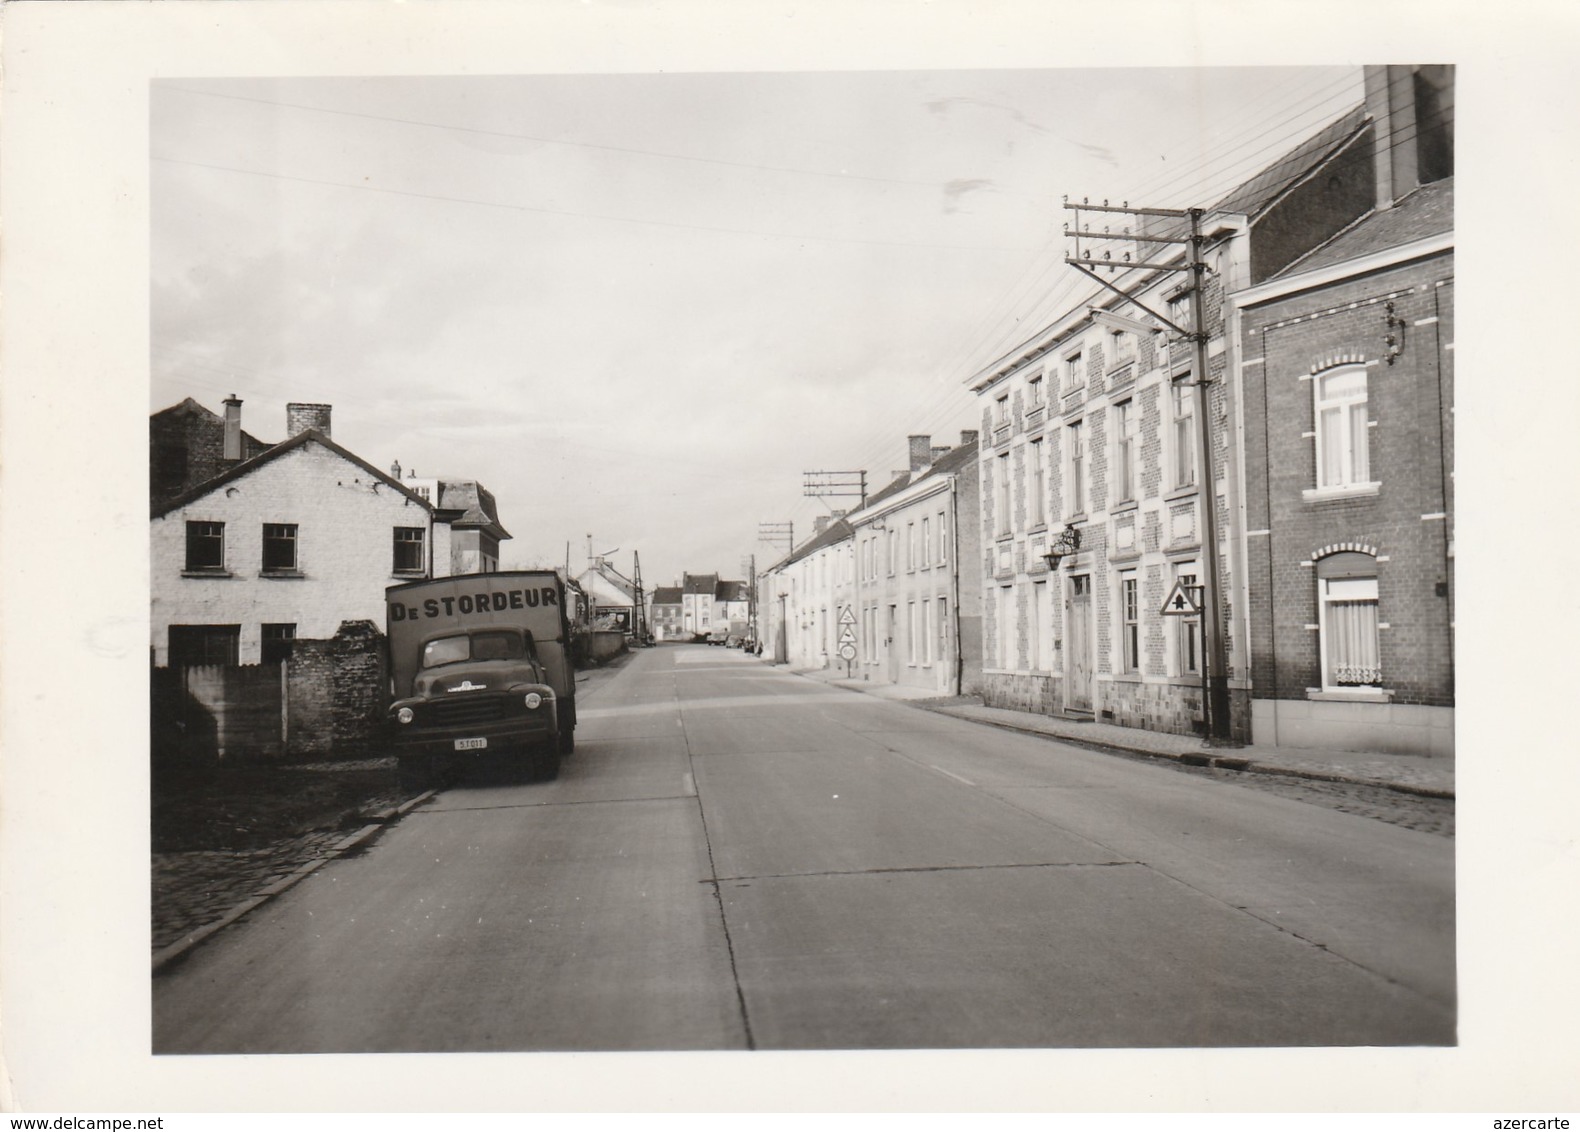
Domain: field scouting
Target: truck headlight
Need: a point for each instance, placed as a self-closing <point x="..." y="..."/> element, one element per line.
<point x="405" y="715"/>
<point x="533" y="700"/>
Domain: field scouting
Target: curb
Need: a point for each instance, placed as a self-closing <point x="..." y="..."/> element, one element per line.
<point x="1219" y="762"/>
<point x="363" y="837"/>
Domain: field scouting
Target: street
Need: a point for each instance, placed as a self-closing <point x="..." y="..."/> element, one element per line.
<point x="739" y="858"/>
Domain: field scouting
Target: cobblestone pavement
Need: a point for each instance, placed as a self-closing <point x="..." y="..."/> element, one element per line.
<point x="193" y="889"/>
<point x="1429" y="815"/>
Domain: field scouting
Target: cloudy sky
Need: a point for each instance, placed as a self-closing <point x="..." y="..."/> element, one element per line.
<point x="641" y="306"/>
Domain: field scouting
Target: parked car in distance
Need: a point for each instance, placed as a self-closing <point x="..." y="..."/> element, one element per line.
<point x="718" y="636"/>
<point x="734" y="641"/>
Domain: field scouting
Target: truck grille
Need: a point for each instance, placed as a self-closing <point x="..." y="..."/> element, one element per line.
<point x="463" y="709"/>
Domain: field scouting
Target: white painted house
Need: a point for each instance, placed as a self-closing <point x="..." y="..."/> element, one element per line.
<point x="285" y="545"/>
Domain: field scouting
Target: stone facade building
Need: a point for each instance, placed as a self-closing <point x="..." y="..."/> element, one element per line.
<point x="1091" y="447"/>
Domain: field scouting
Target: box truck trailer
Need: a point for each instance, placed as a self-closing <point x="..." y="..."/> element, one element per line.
<point x="480" y="667"/>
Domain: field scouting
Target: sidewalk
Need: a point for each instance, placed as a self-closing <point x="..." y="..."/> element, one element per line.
<point x="1431" y="777"/>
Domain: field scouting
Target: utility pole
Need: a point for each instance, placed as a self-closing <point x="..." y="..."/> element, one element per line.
<point x="775" y="533"/>
<point x="639" y="614"/>
<point x="849" y="485"/>
<point x="1215" y="674"/>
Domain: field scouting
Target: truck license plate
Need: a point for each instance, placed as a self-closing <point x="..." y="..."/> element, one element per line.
<point x="470" y="744"/>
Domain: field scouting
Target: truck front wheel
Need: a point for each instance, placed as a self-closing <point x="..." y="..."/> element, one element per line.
<point x="416" y="773"/>
<point x="568" y="742"/>
<point x="545" y="762"/>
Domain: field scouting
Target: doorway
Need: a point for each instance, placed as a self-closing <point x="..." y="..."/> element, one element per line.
<point x="1078" y="659"/>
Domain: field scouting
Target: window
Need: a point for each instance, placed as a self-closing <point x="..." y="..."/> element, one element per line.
<point x="1075" y="504"/>
<point x="1347" y="621"/>
<point x="910" y="632"/>
<point x="1125" y="451"/>
<point x="927" y="541"/>
<point x="279" y="547"/>
<point x="206" y="547"/>
<point x="910" y="546"/>
<point x="1186" y="630"/>
<point x="1039" y="484"/>
<point x="1130" y="621"/>
<point x="1001" y="498"/>
<point x="1121" y="348"/>
<point x="204" y="644"/>
<point x="1341" y="428"/>
<point x="1034" y="392"/>
<point x="1040" y="628"/>
<point x="277" y="643"/>
<point x="1001" y="410"/>
<point x="892" y="540"/>
<point x="409" y="558"/>
<point x="1074" y="372"/>
<point x="943" y="543"/>
<point x="925" y="637"/>
<point x="1006" y="619"/>
<point x="1182" y="402"/>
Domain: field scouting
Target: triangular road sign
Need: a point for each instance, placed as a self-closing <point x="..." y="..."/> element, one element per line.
<point x="847" y="636"/>
<point x="1183" y="601"/>
<point x="848" y="617"/>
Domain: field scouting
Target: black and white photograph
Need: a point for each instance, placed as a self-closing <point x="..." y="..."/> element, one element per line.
<point x="769" y="547"/>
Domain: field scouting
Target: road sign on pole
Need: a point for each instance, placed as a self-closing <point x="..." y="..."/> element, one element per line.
<point x="1183" y="601"/>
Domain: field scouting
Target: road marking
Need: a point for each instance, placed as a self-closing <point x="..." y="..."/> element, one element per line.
<point x="952" y="775"/>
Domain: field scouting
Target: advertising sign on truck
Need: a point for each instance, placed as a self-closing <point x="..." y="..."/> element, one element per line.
<point x="481" y="669"/>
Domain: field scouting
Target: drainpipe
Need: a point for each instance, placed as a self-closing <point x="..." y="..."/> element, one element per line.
<point x="954" y="560"/>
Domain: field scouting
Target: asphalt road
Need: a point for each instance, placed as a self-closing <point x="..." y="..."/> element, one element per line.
<point x="739" y="858"/>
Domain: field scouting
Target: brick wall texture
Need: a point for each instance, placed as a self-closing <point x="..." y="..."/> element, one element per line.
<point x="1407" y="523"/>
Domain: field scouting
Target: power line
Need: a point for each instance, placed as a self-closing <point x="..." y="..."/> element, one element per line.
<point x="560" y="141"/>
<point x="802" y="237"/>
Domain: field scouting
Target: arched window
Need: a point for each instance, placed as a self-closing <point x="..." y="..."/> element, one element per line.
<point x="1347" y="621"/>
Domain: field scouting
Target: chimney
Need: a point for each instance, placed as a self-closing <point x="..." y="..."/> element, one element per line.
<point x="299" y="417"/>
<point x="820" y="523"/>
<point x="395" y="470"/>
<point x="232" y="449"/>
<point x="939" y="452"/>
<point x="921" y="452"/>
<point x="968" y="436"/>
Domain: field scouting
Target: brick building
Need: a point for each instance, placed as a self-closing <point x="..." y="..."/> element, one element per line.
<point x="188" y="444"/>
<point x="1346" y="383"/>
<point x="1091" y="451"/>
<point x="288" y="544"/>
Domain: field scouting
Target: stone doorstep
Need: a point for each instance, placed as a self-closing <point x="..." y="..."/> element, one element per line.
<point x="362" y="838"/>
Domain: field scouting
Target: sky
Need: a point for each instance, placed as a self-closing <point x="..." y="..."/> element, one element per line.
<point x="638" y="308"/>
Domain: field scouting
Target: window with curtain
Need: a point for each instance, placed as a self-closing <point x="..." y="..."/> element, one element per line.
<point x="1347" y="621"/>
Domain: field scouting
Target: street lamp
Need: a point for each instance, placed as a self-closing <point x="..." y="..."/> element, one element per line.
<point x="1066" y="544"/>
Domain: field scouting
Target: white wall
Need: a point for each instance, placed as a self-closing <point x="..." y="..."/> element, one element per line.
<point x="345" y="533"/>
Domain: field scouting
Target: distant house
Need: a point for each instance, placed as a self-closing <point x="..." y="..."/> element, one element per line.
<point x="612" y="596"/>
<point x="469" y="508"/>
<point x="665" y="615"/>
<point x="915" y="616"/>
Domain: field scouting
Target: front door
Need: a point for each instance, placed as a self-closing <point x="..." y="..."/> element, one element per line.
<point x="893" y="645"/>
<point x="1078" y="658"/>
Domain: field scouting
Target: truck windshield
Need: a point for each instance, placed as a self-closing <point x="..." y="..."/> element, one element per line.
<point x="487" y="645"/>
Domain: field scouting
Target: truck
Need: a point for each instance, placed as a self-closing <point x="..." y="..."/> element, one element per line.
<point x="480" y="669"/>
